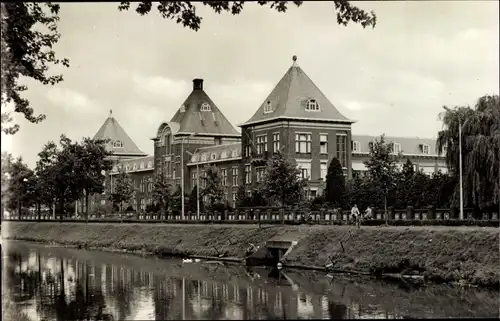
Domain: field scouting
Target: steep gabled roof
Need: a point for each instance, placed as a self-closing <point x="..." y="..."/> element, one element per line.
<point x="192" y="119"/>
<point x="289" y="99"/>
<point x="112" y="130"/>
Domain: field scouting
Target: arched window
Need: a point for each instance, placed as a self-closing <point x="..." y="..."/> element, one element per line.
<point x="234" y="153"/>
<point x="205" y="107"/>
<point x="194" y="158"/>
<point x="150" y="164"/>
<point x="204" y="157"/>
<point x="127" y="168"/>
<point x="213" y="156"/>
<point x="142" y="165"/>
<point x="117" y="144"/>
<point x="223" y="154"/>
<point x="135" y="167"/>
<point x="312" y="105"/>
<point x="115" y="169"/>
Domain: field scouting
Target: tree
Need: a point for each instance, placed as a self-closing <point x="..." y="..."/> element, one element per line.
<point x="335" y="184"/>
<point x="27" y="51"/>
<point x="91" y="166"/>
<point x="19" y="190"/>
<point x="192" y="203"/>
<point x="281" y="181"/>
<point x="213" y="190"/>
<point x="382" y="169"/>
<point x="29" y="30"/>
<point x="124" y="189"/>
<point x="7" y="161"/>
<point x="161" y="193"/>
<point x="241" y="196"/>
<point x="480" y="149"/>
<point x="184" y="12"/>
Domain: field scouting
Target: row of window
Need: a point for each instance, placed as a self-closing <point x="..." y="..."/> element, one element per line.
<point x="396" y="148"/>
<point x="311" y="105"/>
<point x="213" y="156"/>
<point x="224" y="177"/>
<point x="303" y="145"/>
<point x="134" y="167"/>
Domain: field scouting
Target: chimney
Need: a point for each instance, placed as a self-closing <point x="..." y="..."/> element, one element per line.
<point x="197" y="84"/>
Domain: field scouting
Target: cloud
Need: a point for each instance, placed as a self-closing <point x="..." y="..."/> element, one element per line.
<point x="162" y="86"/>
<point x="72" y="101"/>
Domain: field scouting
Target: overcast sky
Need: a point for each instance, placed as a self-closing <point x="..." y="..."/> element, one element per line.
<point x="393" y="79"/>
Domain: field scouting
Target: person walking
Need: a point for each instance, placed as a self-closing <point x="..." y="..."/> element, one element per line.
<point x="355" y="214"/>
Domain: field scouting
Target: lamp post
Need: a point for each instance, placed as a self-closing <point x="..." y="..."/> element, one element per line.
<point x="197" y="188"/>
<point x="182" y="174"/>
<point x="461" y="217"/>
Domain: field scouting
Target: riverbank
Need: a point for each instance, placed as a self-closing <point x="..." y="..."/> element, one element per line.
<point x="452" y="254"/>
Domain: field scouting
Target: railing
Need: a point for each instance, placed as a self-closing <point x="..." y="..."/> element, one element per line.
<point x="263" y="215"/>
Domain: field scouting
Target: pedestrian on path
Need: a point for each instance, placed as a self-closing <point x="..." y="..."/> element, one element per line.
<point x="355" y="214"/>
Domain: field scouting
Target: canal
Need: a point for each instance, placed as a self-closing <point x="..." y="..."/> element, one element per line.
<point x="53" y="283"/>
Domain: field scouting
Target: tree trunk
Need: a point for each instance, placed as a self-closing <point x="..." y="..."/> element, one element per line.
<point x="38" y="210"/>
<point x="61" y="209"/>
<point x="86" y="206"/>
<point x="385" y="209"/>
<point x="19" y="212"/>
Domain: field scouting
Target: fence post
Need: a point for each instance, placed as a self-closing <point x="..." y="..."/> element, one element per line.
<point x="409" y="213"/>
<point x="282" y="215"/>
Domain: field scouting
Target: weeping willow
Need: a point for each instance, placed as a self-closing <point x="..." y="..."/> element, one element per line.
<point x="480" y="150"/>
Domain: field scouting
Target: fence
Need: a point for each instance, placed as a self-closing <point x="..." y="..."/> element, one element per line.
<point x="262" y="215"/>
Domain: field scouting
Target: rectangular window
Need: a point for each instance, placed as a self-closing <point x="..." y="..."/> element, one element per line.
<point x="356" y="146"/>
<point x="305" y="170"/>
<point x="235" y="176"/>
<point x="323" y="143"/>
<point x="249" y="193"/>
<point x="425" y="149"/>
<point x="234" y="197"/>
<point x="302" y="143"/>
<point x="323" y="170"/>
<point x="143" y="204"/>
<point x="248" y="174"/>
<point x="276" y="142"/>
<point x="396" y="148"/>
<point x="260" y="174"/>
<point x="203" y="181"/>
<point x="342" y="149"/>
<point x="224" y="176"/>
<point x="173" y="174"/>
<point x="261" y="144"/>
<point x="248" y="150"/>
<point x="193" y="179"/>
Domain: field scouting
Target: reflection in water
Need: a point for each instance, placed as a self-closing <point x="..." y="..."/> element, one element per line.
<point x="67" y="284"/>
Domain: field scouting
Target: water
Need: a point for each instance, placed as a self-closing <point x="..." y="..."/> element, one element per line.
<point x="50" y="283"/>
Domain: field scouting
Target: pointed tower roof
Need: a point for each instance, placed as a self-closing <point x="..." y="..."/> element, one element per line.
<point x="297" y="97"/>
<point x="120" y="143"/>
<point x="198" y="114"/>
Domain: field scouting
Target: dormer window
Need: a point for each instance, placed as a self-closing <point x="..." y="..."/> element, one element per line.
<point x="117" y="144"/>
<point x="135" y="167"/>
<point x="268" y="108"/>
<point x="312" y="105"/>
<point x="150" y="164"/>
<point x="213" y="156"/>
<point x="115" y="169"/>
<point x="142" y="165"/>
<point x="182" y="109"/>
<point x="205" y="107"/>
<point x="234" y="153"/>
<point x="426" y="149"/>
<point x="396" y="148"/>
<point x="204" y="157"/>
<point x="356" y="146"/>
<point x="194" y="158"/>
<point x="223" y="154"/>
<point x="127" y="168"/>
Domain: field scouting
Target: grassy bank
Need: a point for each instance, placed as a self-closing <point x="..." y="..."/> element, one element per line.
<point x="440" y="253"/>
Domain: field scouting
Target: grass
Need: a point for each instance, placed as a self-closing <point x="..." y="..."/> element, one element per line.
<point x="440" y="253"/>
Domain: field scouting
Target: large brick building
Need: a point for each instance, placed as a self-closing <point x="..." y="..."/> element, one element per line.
<point x="296" y="118"/>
